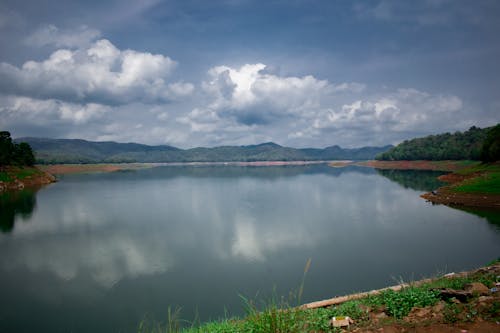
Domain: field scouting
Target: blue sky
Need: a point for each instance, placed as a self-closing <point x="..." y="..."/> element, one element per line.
<point x="207" y="73"/>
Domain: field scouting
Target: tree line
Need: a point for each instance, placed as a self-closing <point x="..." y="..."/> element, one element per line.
<point x="11" y="153"/>
<point x="474" y="144"/>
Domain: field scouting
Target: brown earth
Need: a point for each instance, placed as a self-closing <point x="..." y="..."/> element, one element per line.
<point x="36" y="178"/>
<point x="414" y="165"/>
<point x="59" y="169"/>
<point x="478" y="311"/>
<point x="446" y="196"/>
<point x="477" y="327"/>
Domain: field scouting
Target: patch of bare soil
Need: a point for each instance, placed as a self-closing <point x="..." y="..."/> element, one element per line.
<point x="477" y="327"/>
<point x="473" y="308"/>
<point x="32" y="178"/>
<point x="59" y="169"/>
<point x="446" y="196"/>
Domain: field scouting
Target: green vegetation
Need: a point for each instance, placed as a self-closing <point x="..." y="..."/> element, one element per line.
<point x="4" y="177"/>
<point x="486" y="179"/>
<point x="56" y="151"/>
<point x="399" y="304"/>
<point x="13" y="153"/>
<point x="279" y="316"/>
<point x="458" y="146"/>
<point x="489" y="183"/>
<point x="490" y="151"/>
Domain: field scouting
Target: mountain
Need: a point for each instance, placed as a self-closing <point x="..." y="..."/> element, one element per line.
<point x="50" y="151"/>
<point x="457" y="146"/>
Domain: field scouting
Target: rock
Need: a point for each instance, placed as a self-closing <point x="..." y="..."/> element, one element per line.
<point x="341" y="321"/>
<point x="477" y="288"/>
<point x="438" y="307"/>
<point x="485" y="298"/>
<point x="417" y="314"/>
<point x="460" y="295"/>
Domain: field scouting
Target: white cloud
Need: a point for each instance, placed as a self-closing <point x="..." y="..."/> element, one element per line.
<point x="53" y="36"/>
<point x="389" y="116"/>
<point x="253" y="96"/>
<point x="99" y="73"/>
<point x="45" y="112"/>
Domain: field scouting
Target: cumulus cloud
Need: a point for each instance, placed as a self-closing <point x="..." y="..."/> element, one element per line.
<point x="50" y="35"/>
<point x="46" y="112"/>
<point x="249" y="105"/>
<point x="389" y="116"/>
<point x="254" y="96"/>
<point x="99" y="73"/>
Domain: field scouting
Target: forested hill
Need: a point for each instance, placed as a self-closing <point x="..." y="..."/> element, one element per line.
<point x="80" y="151"/>
<point x="457" y="146"/>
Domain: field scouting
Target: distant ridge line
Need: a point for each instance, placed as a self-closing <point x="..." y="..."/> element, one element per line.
<point x="52" y="151"/>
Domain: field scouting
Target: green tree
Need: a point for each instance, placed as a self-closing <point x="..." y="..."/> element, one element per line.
<point x="14" y="154"/>
<point x="447" y="146"/>
<point x="490" y="151"/>
<point x="23" y="154"/>
<point x="6" y="148"/>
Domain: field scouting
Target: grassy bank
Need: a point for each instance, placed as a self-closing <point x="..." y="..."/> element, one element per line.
<point x="483" y="178"/>
<point x="18" y="177"/>
<point x="426" y="303"/>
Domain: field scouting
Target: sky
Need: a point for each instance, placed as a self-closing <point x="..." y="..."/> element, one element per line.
<point x="299" y="73"/>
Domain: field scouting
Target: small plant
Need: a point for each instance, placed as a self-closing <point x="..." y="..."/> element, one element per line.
<point x="493" y="312"/>
<point x="4" y="177"/>
<point x="399" y="304"/>
<point x="471" y="313"/>
<point x="450" y="313"/>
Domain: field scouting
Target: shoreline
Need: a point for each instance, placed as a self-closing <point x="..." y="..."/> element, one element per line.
<point x="60" y="169"/>
<point x="453" y="194"/>
<point x="14" y="178"/>
<point x="46" y="174"/>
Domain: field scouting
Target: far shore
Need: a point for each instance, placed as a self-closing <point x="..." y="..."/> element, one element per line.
<point x="59" y="169"/>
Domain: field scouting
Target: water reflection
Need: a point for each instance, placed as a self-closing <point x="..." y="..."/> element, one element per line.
<point x="419" y="180"/>
<point x="16" y="205"/>
<point x="116" y="246"/>
<point x="491" y="215"/>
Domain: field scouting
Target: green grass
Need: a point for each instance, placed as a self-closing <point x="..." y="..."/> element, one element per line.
<point x="479" y="167"/>
<point x="487" y="183"/>
<point x="26" y="172"/>
<point x="4" y="177"/>
<point x="399" y="304"/>
<point x="12" y="173"/>
<point x="487" y="180"/>
<point x="277" y="315"/>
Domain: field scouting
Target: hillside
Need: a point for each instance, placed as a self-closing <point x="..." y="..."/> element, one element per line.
<point x="458" y="146"/>
<point x="51" y="151"/>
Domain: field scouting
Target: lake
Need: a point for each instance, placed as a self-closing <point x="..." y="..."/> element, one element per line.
<point x="100" y="252"/>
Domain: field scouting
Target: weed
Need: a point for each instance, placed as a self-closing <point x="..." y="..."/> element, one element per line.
<point x="493" y="312"/>
<point x="450" y="313"/>
<point x="301" y="288"/>
<point x="399" y="304"/>
<point x="4" y="177"/>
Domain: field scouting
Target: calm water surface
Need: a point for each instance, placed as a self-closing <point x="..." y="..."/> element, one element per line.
<point x="99" y="252"/>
